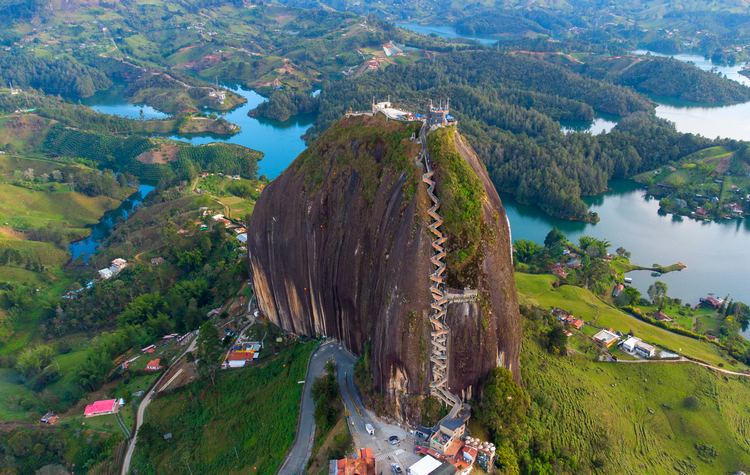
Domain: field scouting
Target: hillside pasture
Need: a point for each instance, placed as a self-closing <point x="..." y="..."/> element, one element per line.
<point x="538" y="290"/>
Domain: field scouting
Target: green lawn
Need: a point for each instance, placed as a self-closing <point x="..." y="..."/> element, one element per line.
<point x="253" y="411"/>
<point x="633" y="418"/>
<point x="537" y="289"/>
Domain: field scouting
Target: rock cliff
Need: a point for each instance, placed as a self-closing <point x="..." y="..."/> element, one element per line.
<point x="339" y="246"/>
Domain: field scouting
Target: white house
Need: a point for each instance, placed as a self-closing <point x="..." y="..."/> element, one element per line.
<point x="638" y="347"/>
<point x="425" y="466"/>
<point x="629" y="344"/>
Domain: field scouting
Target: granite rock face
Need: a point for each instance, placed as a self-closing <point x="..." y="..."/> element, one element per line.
<point x="339" y="246"/>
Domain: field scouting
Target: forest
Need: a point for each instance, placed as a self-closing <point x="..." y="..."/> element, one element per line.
<point x="510" y="107"/>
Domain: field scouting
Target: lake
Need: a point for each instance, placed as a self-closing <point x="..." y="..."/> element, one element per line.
<point x="110" y="102"/>
<point x="715" y="253"/>
<point x="598" y="126"/>
<point x="86" y="247"/>
<point x="444" y="31"/>
<point x="280" y="142"/>
<point x="728" y="121"/>
<point x="711" y="251"/>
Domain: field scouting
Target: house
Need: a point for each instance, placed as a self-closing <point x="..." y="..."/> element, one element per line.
<point x="574" y="263"/>
<point x="629" y="344"/>
<point x="485" y="452"/>
<point x="644" y="350"/>
<point x="661" y="316"/>
<point x="50" y="418"/>
<point x="425" y="466"/>
<point x="149" y="349"/>
<point x="617" y="291"/>
<point x="559" y="271"/>
<point x="238" y="359"/>
<point x="576" y="323"/>
<point x="154" y="365"/>
<point x="712" y="301"/>
<point x="116" y="266"/>
<point x="637" y="347"/>
<point x="606" y="338"/>
<point x="157" y="261"/>
<point x="449" y="431"/>
<point x="100" y="408"/>
<point x="362" y="464"/>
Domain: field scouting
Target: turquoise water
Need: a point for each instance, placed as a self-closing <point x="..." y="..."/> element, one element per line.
<point x="728" y="122"/>
<point x="86" y="247"/>
<point x="598" y="126"/>
<point x="716" y="253"/>
<point x="444" y="31"/>
<point x="110" y="102"/>
<point x="281" y="142"/>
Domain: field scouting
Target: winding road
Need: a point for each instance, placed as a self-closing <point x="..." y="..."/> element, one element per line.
<point x="357" y="416"/>
<point x="142" y="409"/>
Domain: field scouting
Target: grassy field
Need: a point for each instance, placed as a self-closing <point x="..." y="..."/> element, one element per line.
<point x="537" y="289"/>
<point x="244" y="424"/>
<point x="237" y="197"/>
<point x="23" y="208"/>
<point x="637" y="418"/>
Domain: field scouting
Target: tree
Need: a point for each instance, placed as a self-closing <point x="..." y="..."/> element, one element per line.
<point x="32" y="361"/>
<point x="593" y="247"/>
<point x="526" y="250"/>
<point x="557" y="341"/>
<point x="503" y="406"/>
<point x="554" y="238"/>
<point x="658" y="294"/>
<point x="209" y="351"/>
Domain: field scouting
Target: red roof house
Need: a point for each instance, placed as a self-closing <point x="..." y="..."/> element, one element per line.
<point x="576" y="323"/>
<point x="154" y="365"/>
<point x="99" y="408"/>
<point x="362" y="465"/>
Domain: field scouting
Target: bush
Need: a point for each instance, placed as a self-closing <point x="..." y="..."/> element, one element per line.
<point x="692" y="403"/>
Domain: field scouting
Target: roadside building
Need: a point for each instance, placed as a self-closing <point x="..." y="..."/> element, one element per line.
<point x="100" y="408"/>
<point x="449" y="432"/>
<point x="425" y="466"/>
<point x="637" y="347"/>
<point x="50" y="418"/>
<point x="606" y="338"/>
<point x="576" y="323"/>
<point x="148" y="349"/>
<point x="644" y="350"/>
<point x="362" y="464"/>
<point x="154" y="365"/>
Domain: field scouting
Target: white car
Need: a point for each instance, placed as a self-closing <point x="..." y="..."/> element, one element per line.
<point x="370" y="429"/>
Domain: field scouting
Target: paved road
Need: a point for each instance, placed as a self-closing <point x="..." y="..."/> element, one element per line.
<point x="357" y="417"/>
<point x="296" y="459"/>
<point x="142" y="410"/>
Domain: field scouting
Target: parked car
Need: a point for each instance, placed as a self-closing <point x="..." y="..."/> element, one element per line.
<point x="393" y="440"/>
<point x="396" y="469"/>
<point x="370" y="429"/>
